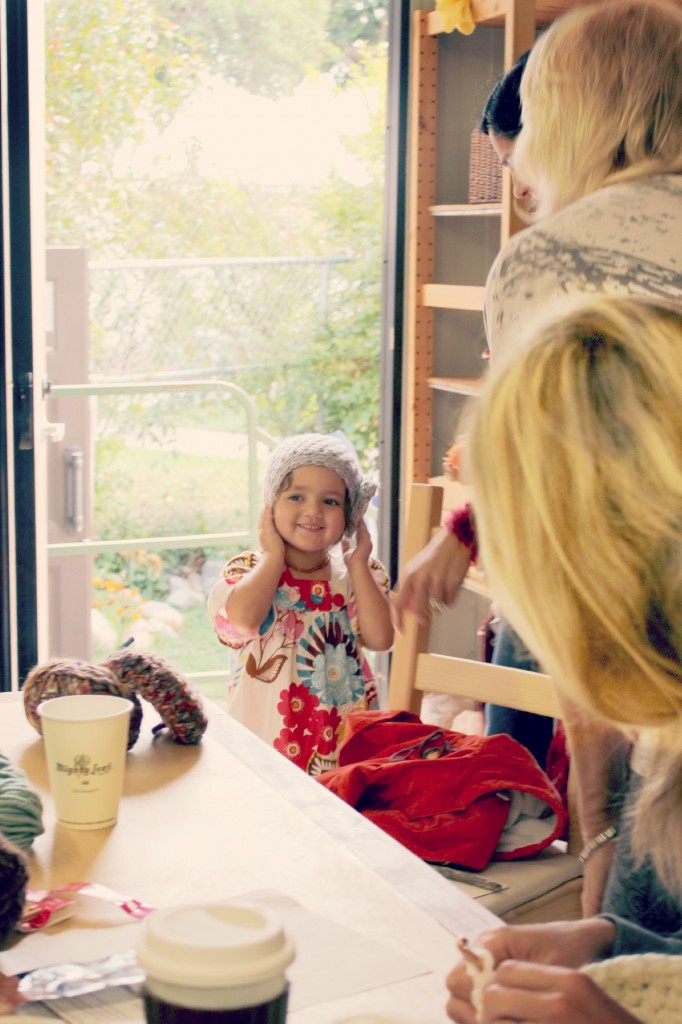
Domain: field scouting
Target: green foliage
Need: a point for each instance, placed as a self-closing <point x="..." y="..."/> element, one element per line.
<point x="113" y="68"/>
<point x="265" y="48"/>
<point x="141" y="493"/>
<point x="352" y="25"/>
<point x="117" y="67"/>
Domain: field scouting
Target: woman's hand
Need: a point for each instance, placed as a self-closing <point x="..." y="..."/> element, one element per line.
<point x="568" y="944"/>
<point x="10" y="997"/>
<point x="434" y="575"/>
<point x="269" y="539"/>
<point x="543" y="994"/>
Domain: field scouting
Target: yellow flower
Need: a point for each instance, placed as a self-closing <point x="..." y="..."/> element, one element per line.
<point x="456" y="14"/>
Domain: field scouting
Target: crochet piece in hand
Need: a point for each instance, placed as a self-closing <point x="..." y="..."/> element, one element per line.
<point x="480" y="967"/>
<point x="61" y="678"/>
<point x="162" y="685"/>
<point x="13" y="882"/>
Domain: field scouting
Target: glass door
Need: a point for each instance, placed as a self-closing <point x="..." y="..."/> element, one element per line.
<point x="212" y="209"/>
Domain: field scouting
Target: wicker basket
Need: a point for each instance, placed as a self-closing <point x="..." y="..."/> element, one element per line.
<point x="485" y="173"/>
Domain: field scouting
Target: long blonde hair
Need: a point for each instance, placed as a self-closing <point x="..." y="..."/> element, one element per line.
<point x="575" y="455"/>
<point x="601" y="100"/>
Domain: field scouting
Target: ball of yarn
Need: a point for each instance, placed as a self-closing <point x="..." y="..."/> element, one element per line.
<point x="13" y="882"/>
<point x="21" y="811"/>
<point x="61" y="678"/>
<point x="155" y="679"/>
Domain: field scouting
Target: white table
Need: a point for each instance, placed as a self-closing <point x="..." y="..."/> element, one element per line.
<point x="228" y="817"/>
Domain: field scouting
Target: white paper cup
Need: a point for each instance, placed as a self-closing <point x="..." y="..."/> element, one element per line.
<point x="215" y="963"/>
<point x="86" y="739"/>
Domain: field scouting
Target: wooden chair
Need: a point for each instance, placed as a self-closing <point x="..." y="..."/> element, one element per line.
<point x="547" y="886"/>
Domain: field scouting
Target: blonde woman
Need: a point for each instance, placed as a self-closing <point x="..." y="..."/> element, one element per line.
<point x="601" y="149"/>
<point x="575" y="456"/>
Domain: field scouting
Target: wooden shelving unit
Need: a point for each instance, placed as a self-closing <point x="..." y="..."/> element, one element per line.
<point x="519" y="20"/>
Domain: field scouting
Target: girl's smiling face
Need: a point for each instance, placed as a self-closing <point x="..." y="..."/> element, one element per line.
<point x="309" y="511"/>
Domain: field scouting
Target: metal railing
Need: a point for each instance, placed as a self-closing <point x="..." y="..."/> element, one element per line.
<point x="254" y="435"/>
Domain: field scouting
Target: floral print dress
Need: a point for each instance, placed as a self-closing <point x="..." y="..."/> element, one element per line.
<point x="301" y="673"/>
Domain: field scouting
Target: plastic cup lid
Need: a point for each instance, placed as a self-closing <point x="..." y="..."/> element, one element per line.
<point x="214" y="945"/>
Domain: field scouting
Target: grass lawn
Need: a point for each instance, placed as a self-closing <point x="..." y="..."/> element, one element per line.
<point x="146" y="492"/>
<point x="194" y="649"/>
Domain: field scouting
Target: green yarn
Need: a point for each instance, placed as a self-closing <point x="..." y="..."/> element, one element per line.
<point x="20" y="807"/>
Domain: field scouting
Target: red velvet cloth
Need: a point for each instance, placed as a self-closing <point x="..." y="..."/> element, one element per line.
<point x="440" y="793"/>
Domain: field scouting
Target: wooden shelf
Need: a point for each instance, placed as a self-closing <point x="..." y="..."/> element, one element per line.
<point x="456" y="385"/>
<point x="453" y="296"/>
<point x="455" y="493"/>
<point x="467" y="210"/>
<point x="492" y="12"/>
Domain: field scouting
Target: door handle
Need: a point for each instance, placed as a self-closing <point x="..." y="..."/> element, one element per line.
<point x="75" y="519"/>
<point x="23" y="411"/>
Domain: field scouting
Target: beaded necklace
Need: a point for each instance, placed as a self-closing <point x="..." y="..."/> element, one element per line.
<point x="315" y="568"/>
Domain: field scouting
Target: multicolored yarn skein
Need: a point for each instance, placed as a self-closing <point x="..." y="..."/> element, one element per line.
<point x="155" y="679"/>
<point x="124" y="673"/>
<point x="61" y="678"/>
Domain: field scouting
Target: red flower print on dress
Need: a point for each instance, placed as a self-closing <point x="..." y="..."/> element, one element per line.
<point x="295" y="746"/>
<point x="326" y="726"/>
<point x="297" y="706"/>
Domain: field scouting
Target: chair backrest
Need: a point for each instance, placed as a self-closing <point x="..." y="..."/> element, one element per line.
<point x="414" y="671"/>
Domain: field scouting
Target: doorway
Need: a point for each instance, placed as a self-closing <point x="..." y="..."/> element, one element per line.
<point x="215" y="223"/>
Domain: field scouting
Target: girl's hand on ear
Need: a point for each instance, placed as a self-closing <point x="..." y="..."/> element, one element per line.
<point x="363" y="546"/>
<point x="270" y="541"/>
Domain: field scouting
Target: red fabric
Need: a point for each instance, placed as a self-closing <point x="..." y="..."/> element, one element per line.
<point x="437" y="791"/>
<point x="460" y="522"/>
<point x="558" y="762"/>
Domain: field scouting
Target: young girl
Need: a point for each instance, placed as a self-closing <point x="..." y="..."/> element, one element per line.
<point x="301" y="607"/>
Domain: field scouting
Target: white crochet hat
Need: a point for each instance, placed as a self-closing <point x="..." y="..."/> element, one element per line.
<point x="320" y="450"/>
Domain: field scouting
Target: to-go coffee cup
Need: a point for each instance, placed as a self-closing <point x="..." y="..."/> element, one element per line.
<point x="86" y="737"/>
<point x="215" y="963"/>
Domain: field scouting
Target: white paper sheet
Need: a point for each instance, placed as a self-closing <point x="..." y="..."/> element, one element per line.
<point x="332" y="962"/>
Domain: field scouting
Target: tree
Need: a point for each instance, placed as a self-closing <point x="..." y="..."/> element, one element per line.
<point x="113" y="68"/>
<point x="265" y="48"/>
<point x="104" y="96"/>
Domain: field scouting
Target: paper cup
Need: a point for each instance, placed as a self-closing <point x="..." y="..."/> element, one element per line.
<point x="215" y="963"/>
<point x="86" y="737"/>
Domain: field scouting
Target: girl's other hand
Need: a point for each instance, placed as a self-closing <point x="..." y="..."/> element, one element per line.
<point x="270" y="541"/>
<point x="363" y="545"/>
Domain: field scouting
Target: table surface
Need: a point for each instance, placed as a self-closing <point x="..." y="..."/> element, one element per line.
<point x="232" y="816"/>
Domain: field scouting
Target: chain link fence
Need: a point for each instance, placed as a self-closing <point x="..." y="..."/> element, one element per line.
<point x="207" y="317"/>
